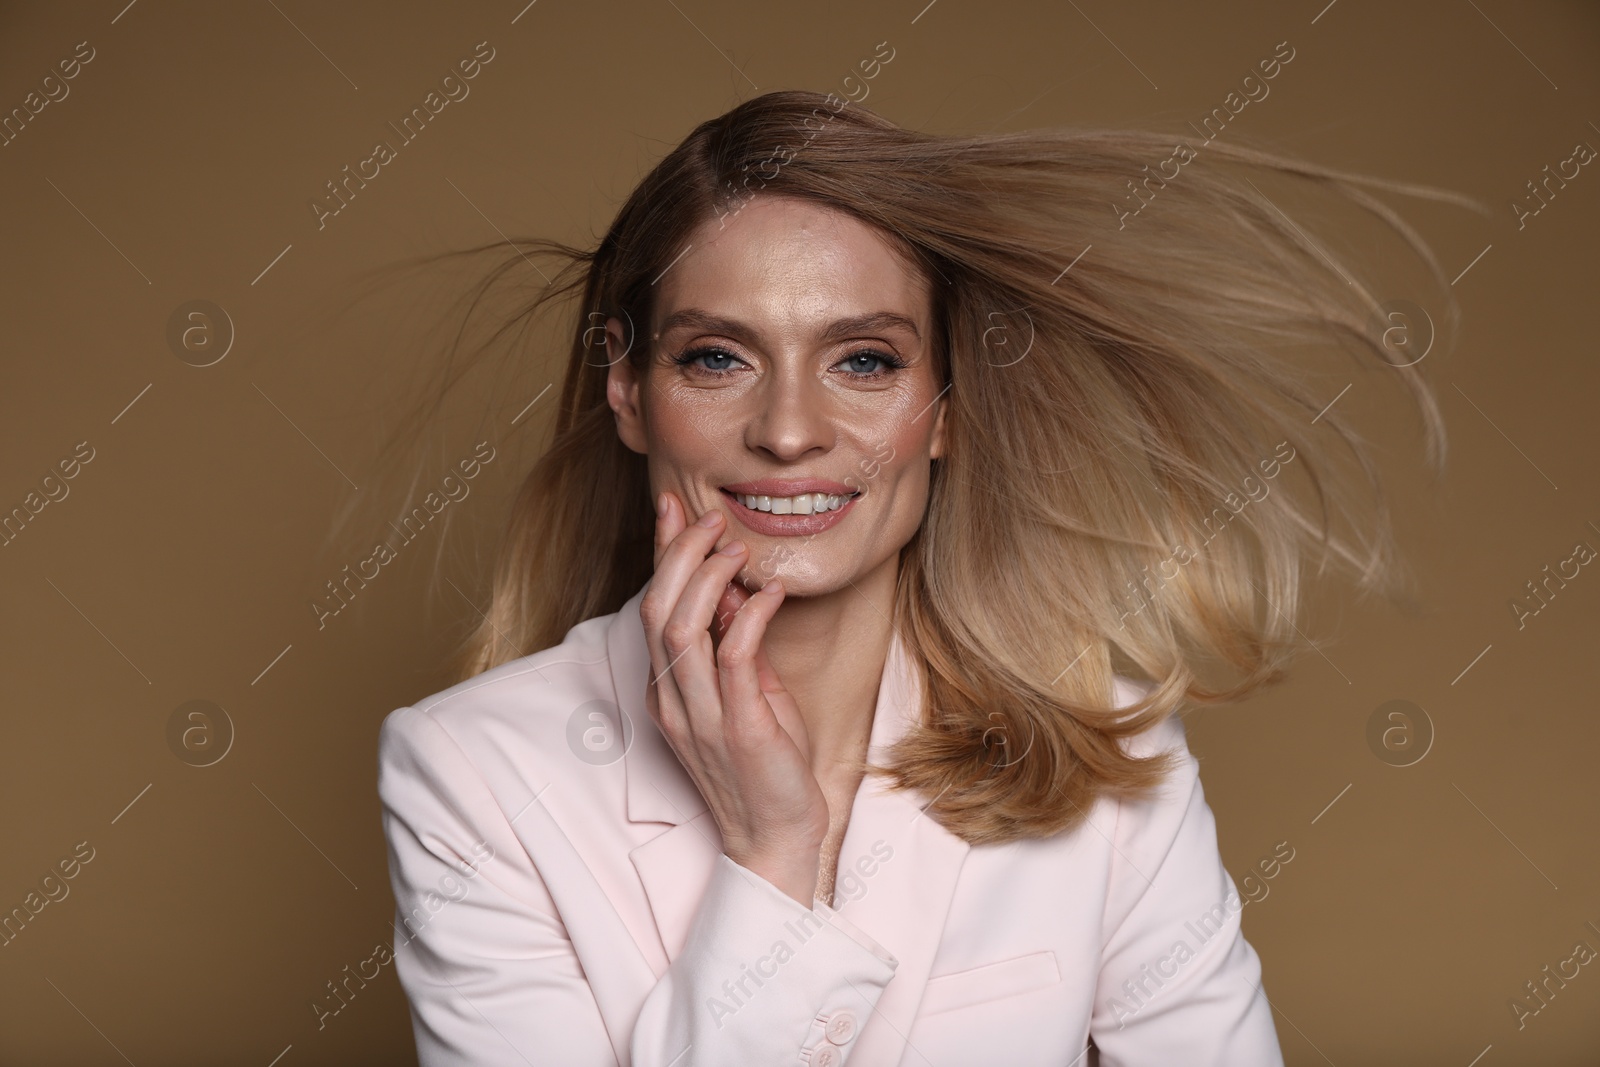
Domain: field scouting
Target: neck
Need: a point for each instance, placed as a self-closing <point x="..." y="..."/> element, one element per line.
<point x="830" y="651"/>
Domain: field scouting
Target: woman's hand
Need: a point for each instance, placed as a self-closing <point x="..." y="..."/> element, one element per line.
<point x="723" y="709"/>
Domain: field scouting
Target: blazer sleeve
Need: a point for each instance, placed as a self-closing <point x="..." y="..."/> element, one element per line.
<point x="485" y="962"/>
<point x="492" y="977"/>
<point x="1178" y="982"/>
<point x="759" y="980"/>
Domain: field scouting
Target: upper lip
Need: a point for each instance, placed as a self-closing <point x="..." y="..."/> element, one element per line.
<point x="790" y="487"/>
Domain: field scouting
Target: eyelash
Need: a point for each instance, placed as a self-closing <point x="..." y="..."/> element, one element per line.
<point x="892" y="361"/>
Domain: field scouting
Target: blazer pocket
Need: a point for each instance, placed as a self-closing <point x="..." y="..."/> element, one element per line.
<point x="992" y="981"/>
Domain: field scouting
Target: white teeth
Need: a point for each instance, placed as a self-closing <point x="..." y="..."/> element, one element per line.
<point x="804" y="504"/>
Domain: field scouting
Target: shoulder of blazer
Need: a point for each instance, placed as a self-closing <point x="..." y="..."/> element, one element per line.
<point x="526" y="702"/>
<point x="1144" y="827"/>
<point x="1166" y="735"/>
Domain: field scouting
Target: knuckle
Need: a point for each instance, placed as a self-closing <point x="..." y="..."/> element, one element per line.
<point x="678" y="636"/>
<point x="732" y="653"/>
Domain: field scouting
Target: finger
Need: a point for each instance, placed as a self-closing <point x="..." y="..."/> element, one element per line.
<point x="687" y="637"/>
<point x="734" y="598"/>
<point x="683" y="547"/>
<point x="679" y="549"/>
<point x="742" y="654"/>
<point x="778" y="698"/>
<point x="664" y="703"/>
<point x="669" y="524"/>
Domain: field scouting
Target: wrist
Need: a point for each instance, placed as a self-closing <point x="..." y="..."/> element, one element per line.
<point x="793" y="871"/>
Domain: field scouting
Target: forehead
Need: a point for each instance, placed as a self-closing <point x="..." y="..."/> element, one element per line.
<point x="792" y="263"/>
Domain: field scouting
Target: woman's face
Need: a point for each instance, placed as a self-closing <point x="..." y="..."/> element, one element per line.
<point x="771" y="373"/>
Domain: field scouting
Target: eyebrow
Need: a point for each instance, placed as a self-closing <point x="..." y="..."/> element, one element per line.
<point x="839" y="329"/>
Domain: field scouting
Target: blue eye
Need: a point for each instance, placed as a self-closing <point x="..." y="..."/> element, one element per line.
<point x="711" y="351"/>
<point x="714" y="352"/>
<point x="868" y="353"/>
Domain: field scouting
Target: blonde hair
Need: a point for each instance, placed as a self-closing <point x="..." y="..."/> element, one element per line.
<point x="1119" y="386"/>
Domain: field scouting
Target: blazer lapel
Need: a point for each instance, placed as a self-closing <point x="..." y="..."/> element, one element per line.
<point x="905" y="866"/>
<point x="897" y="866"/>
<point x="674" y="867"/>
<point x="658" y="788"/>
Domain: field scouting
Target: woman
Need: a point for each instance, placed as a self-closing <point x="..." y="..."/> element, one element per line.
<point x="872" y="753"/>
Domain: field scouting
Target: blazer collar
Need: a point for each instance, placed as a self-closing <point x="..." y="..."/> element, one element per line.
<point x="658" y="788"/>
<point x="905" y="863"/>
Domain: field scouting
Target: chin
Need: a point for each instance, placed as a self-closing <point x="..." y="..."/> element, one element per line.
<point x="794" y="585"/>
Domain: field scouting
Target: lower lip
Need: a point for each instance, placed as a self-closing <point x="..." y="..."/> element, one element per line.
<point x="764" y="522"/>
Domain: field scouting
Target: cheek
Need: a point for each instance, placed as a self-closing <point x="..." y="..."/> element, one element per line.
<point x="906" y="419"/>
<point x="684" y="435"/>
<point x="897" y="454"/>
<point x="911" y="499"/>
<point x="900" y="482"/>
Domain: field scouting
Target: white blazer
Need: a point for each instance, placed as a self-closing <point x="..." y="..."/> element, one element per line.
<point x="561" y="902"/>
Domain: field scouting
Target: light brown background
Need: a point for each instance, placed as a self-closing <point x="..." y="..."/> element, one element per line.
<point x="183" y="562"/>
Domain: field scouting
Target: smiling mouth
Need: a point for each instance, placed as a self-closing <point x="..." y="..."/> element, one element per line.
<point x="799" y="504"/>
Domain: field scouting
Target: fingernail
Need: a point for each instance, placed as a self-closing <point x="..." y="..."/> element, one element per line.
<point x="771" y="586"/>
<point x="709" y="519"/>
<point x="661" y="505"/>
<point x="732" y="548"/>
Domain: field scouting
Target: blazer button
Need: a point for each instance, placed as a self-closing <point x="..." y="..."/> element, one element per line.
<point x="841" y="1028"/>
<point x="825" y="1056"/>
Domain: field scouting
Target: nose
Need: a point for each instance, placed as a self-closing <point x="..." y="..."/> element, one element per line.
<point x="793" y="415"/>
